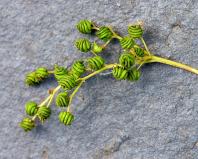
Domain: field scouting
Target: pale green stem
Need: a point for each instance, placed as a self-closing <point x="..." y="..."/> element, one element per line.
<point x="141" y="64"/>
<point x="105" y="45"/>
<point x="45" y="101"/>
<point x="95" y="27"/>
<point x="172" y="63"/>
<point x="50" y="72"/>
<point x="52" y="95"/>
<point x="82" y="80"/>
<point x="34" y="117"/>
<point x="73" y="94"/>
<point x="106" y="67"/>
<point x="115" y="35"/>
<point x="144" y="43"/>
<point x="93" y="53"/>
<point x="49" y="98"/>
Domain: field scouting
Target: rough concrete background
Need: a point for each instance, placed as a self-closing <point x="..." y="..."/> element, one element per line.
<point x="155" y="118"/>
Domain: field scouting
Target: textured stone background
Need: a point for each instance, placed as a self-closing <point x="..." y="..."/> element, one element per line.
<point x="155" y="118"/>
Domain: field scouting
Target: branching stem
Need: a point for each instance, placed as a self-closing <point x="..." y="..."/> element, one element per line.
<point x="82" y="80"/>
<point x="106" y="67"/>
<point x="45" y="101"/>
<point x="73" y="94"/>
<point x="52" y="95"/>
<point x="48" y="99"/>
<point x="115" y="35"/>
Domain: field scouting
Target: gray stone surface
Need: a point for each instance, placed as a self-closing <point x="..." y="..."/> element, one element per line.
<point x="155" y="118"/>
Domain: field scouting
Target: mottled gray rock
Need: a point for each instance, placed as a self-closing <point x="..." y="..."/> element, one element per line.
<point x="155" y="118"/>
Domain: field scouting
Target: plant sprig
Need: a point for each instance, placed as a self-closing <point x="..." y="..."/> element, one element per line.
<point x="69" y="80"/>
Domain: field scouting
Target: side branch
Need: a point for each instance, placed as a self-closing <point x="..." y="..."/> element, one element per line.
<point x="106" y="67"/>
<point x="82" y="80"/>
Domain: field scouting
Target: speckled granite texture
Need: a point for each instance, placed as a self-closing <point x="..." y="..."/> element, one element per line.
<point x="155" y="118"/>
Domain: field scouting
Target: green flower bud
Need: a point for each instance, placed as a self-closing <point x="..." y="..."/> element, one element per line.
<point x="139" y="51"/>
<point x="104" y="33"/>
<point x="31" y="108"/>
<point x="66" y="118"/>
<point x="41" y="73"/>
<point x="27" y="124"/>
<point x="44" y="112"/>
<point x="84" y="45"/>
<point x="84" y="26"/>
<point x="97" y="48"/>
<point x="96" y="62"/>
<point x="133" y="75"/>
<point x="135" y="31"/>
<point x="67" y="82"/>
<point x="62" y="99"/>
<point x="60" y="72"/>
<point x="127" y="60"/>
<point x="119" y="73"/>
<point x="127" y="42"/>
<point x="78" y="68"/>
<point x="31" y="79"/>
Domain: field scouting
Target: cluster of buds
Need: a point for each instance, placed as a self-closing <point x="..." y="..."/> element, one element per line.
<point x="132" y="58"/>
